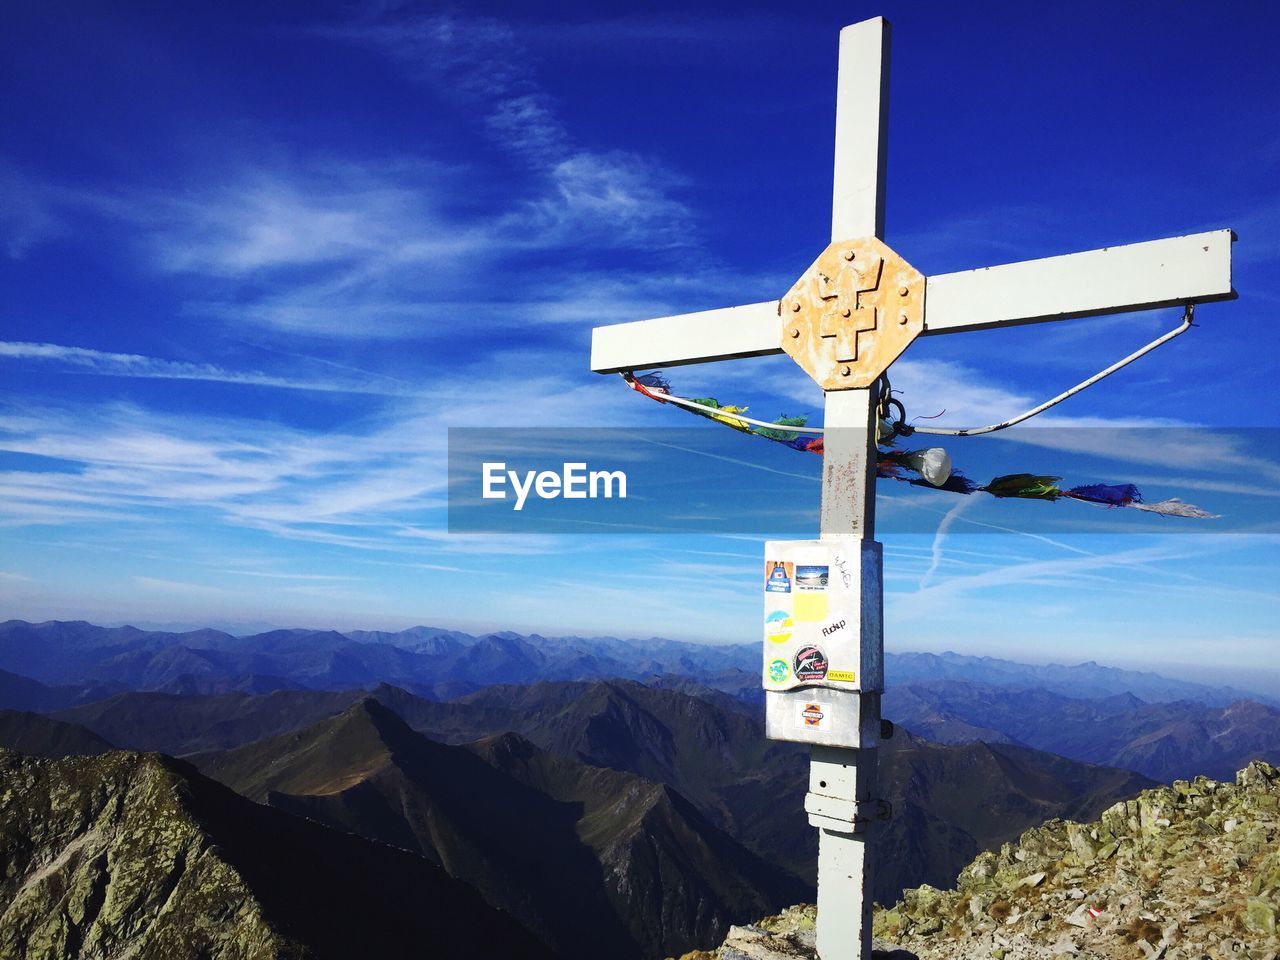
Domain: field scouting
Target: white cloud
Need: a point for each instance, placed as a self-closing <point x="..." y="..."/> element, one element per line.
<point x="173" y="586"/>
<point x="380" y="486"/>
<point x="27" y="218"/>
<point x="106" y="363"/>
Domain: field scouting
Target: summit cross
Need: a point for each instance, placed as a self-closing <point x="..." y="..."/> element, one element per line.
<point x="845" y="321"/>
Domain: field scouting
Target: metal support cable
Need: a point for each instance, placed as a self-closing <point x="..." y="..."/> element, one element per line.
<point x="1188" y="317"/>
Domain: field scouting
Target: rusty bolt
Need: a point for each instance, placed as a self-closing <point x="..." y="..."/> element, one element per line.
<point x="903" y="291"/>
<point x="846" y="370"/>
<point x="795" y="333"/>
<point x="795" y="306"/>
<point x="848" y="254"/>
<point x="902" y="319"/>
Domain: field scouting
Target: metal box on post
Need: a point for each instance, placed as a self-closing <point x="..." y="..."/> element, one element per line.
<point x="822" y="641"/>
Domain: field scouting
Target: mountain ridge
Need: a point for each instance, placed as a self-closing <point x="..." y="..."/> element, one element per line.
<point x="415" y="658"/>
<point x="1165" y="740"/>
<point x="139" y="855"/>
<point x="593" y="860"/>
<point x="712" y="753"/>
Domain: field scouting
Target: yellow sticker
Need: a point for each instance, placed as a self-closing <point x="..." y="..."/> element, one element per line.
<point x="810" y="607"/>
<point x="778" y="626"/>
<point x="844" y="676"/>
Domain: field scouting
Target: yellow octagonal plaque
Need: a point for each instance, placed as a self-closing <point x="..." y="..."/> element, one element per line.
<point x="852" y="313"/>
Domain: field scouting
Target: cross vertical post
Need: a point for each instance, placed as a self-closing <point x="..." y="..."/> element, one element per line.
<point x="844" y="852"/>
<point x="848" y="493"/>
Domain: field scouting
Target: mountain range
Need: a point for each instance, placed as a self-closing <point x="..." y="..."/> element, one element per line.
<point x="583" y="856"/>
<point x="1139" y="721"/>
<point x="605" y="797"/>
<point x="428" y="661"/>
<point x="82" y="661"/>
<point x="709" y="751"/>
<point x="1163" y="740"/>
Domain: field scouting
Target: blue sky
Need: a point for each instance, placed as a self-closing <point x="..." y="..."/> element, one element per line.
<point x="255" y="259"/>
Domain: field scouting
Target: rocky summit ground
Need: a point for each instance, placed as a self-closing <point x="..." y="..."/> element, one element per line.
<point x="1186" y="872"/>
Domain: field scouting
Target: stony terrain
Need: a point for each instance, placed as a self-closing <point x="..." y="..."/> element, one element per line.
<point x="1186" y="872"/>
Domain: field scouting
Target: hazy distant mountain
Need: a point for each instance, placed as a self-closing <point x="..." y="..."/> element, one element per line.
<point x="428" y="661"/>
<point x="140" y="856"/>
<point x="443" y="664"/>
<point x="41" y="736"/>
<point x="1080" y="680"/>
<point x="432" y="640"/>
<point x="1165" y="741"/>
<point x="597" y="862"/>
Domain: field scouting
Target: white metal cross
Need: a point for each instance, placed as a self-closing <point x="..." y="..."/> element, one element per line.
<point x="1182" y="270"/>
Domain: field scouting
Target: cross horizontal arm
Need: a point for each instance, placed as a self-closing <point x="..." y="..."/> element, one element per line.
<point x="1139" y="276"/>
<point x="725" y="334"/>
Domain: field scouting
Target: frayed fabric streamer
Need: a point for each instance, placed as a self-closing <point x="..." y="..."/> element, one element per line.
<point x="932" y="466"/>
<point x="1111" y="495"/>
<point x="1174" y="507"/>
<point x="712" y="404"/>
<point x="956" y="483"/>
<point x="1025" y="486"/>
<point x="655" y="386"/>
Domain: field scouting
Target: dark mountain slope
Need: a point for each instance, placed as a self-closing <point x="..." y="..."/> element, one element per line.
<point x="22" y="693"/>
<point x="1165" y="741"/>
<point x="178" y="725"/>
<point x="39" y="736"/>
<point x="140" y="856"/>
<point x="1212" y="742"/>
<point x="598" y="862"/>
<point x="667" y="867"/>
<point x="952" y="801"/>
<point x="711" y="752"/>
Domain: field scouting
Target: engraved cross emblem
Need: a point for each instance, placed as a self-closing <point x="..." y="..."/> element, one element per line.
<point x="842" y="322"/>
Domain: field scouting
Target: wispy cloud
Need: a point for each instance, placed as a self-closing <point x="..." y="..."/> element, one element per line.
<point x="408" y="246"/>
<point x="380" y="485"/>
<point x="135" y="365"/>
<point x="275" y="575"/>
<point x="175" y="587"/>
<point x="935" y="560"/>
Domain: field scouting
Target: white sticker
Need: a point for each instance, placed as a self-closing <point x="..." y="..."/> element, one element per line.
<point x="811" y="715"/>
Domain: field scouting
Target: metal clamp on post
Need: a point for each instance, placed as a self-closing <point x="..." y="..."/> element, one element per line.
<point x="838" y="813"/>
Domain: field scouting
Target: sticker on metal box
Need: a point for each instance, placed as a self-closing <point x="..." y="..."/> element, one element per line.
<point x="813" y="716"/>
